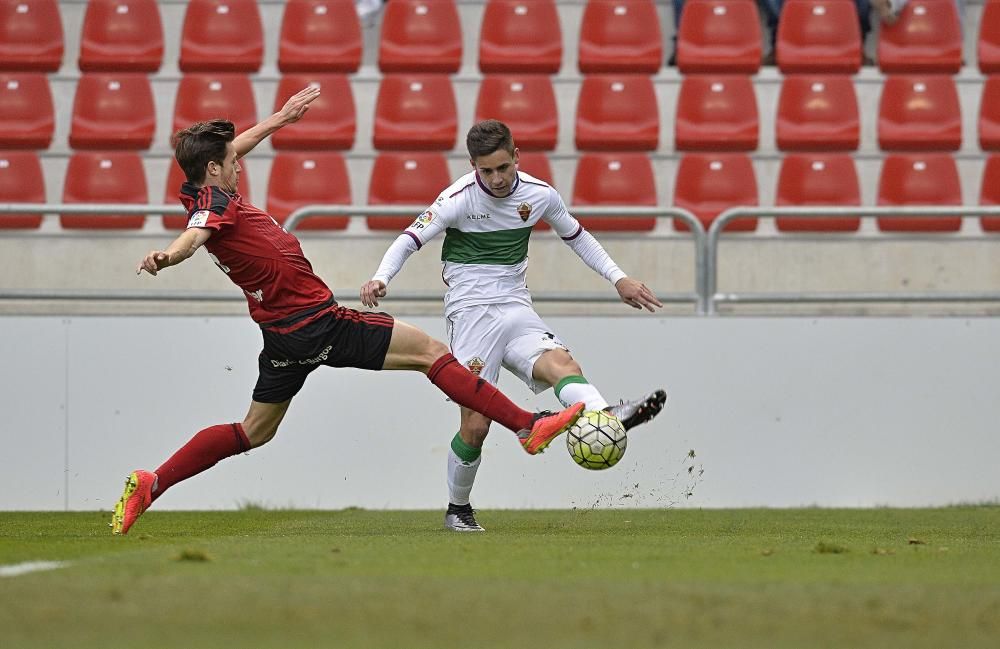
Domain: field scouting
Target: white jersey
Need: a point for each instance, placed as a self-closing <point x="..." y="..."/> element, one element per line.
<point x="485" y="251"/>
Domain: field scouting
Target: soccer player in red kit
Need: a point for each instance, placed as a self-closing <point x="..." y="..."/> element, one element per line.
<point x="302" y="325"/>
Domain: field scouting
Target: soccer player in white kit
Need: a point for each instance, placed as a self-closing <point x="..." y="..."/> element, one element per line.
<point x="487" y="216"/>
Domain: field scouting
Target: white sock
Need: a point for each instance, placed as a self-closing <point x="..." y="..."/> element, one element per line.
<point x="461" y="475"/>
<point x="574" y="392"/>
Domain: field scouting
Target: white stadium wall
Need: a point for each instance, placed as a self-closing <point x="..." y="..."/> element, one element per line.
<point x="853" y="412"/>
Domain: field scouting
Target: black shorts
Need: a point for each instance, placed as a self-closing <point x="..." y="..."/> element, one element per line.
<point x="337" y="337"/>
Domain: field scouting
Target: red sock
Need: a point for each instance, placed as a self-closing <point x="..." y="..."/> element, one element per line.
<point x="467" y="389"/>
<point x="204" y="450"/>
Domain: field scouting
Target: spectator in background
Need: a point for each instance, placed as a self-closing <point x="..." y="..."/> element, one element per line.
<point x="888" y="13"/>
<point x="770" y="10"/>
<point x="889" y="10"/>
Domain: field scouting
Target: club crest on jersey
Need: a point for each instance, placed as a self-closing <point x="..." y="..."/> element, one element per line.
<point x="198" y="219"/>
<point x="524" y="210"/>
<point x="476" y="365"/>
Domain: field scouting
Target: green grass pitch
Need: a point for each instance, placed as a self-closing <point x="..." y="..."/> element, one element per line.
<point x="620" y="578"/>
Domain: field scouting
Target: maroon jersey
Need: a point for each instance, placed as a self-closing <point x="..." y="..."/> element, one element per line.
<point x="256" y="253"/>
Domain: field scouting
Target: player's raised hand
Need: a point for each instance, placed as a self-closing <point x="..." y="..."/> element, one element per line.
<point x="156" y="260"/>
<point x="636" y="294"/>
<point x="371" y="292"/>
<point x="298" y="104"/>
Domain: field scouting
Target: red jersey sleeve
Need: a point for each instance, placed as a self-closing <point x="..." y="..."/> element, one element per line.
<point x="208" y="207"/>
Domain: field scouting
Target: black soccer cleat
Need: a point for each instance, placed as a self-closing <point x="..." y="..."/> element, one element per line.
<point x="461" y="518"/>
<point x="633" y="413"/>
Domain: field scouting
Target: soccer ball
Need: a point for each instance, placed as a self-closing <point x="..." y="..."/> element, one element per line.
<point x="596" y="440"/>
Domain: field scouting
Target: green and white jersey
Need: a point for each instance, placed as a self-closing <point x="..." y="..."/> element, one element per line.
<point x="485" y="250"/>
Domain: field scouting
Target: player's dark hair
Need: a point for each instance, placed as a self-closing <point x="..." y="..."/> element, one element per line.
<point x="487" y="137"/>
<point x="201" y="143"/>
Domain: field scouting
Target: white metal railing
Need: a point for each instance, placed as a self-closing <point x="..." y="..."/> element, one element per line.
<point x="705" y="295"/>
<point x="715" y="232"/>
<point x="697" y="296"/>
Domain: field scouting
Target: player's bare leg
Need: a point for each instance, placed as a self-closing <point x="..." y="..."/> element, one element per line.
<point x="202" y="452"/>
<point x="412" y="349"/>
<point x="556" y="367"/>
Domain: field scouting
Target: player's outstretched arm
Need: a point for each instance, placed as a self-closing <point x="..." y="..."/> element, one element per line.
<point x="291" y="112"/>
<point x="371" y="291"/>
<point x="392" y="262"/>
<point x="182" y="247"/>
<point x="636" y="294"/>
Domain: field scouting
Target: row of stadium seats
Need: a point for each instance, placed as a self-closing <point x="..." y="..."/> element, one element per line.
<point x="418" y="111"/>
<point x="515" y="36"/>
<point x="706" y="184"/>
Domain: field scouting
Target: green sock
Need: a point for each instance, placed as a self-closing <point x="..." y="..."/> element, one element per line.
<point x="465" y="452"/>
<point x="567" y="381"/>
<point x="573" y="389"/>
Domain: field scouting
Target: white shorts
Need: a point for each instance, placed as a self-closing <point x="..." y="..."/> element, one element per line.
<point x="488" y="336"/>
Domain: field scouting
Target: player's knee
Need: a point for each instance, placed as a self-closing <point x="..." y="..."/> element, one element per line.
<point x="474" y="433"/>
<point x="433" y="350"/>
<point x="259" y="434"/>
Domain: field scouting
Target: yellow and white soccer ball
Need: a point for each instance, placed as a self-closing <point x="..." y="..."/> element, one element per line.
<point x="596" y="440"/>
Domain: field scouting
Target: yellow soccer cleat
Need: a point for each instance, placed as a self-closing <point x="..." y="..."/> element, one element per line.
<point x="135" y="500"/>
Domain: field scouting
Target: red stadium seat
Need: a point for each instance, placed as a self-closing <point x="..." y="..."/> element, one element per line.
<point x="919" y="179"/>
<point x="926" y="38"/>
<point x="222" y="36"/>
<point x="331" y="121"/>
<point x="420" y="36"/>
<point x="526" y="103"/>
<point x="211" y="96"/>
<point x="320" y="36"/>
<point x="105" y="177"/>
<point x="988" y="49"/>
<point x="535" y="163"/>
<point x="719" y="36"/>
<point x="708" y="183"/>
<point x="716" y="113"/>
<point x="520" y="36"/>
<point x="121" y="36"/>
<point x="819" y="36"/>
<point x="989" y="193"/>
<point x="21" y="181"/>
<point x="113" y="111"/>
<point x="817" y="112"/>
<point x="27" y="118"/>
<point x="308" y="178"/>
<point x="615" y="179"/>
<point x="175" y="178"/>
<point x="989" y="115"/>
<point x="620" y="36"/>
<point x="406" y="179"/>
<point x="415" y="111"/>
<point x="31" y="35"/>
<point x="617" y="113"/>
<point x="919" y="113"/>
<point x="818" y="179"/>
